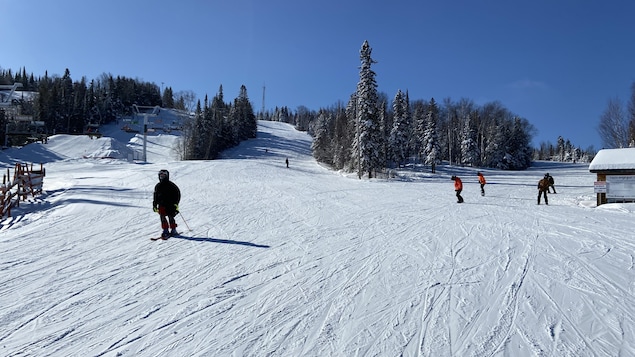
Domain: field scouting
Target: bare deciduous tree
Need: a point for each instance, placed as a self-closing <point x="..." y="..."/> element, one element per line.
<point x="186" y="99"/>
<point x="613" y="128"/>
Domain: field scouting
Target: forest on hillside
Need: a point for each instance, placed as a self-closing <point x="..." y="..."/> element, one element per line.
<point x="372" y="132"/>
<point x="68" y="106"/>
<point x="369" y="134"/>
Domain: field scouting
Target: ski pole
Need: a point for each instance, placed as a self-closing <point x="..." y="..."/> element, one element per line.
<point x="184" y="221"/>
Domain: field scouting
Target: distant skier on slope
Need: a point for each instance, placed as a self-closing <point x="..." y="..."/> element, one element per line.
<point x="458" y="187"/>
<point x="543" y="187"/>
<point x="481" y="180"/>
<point x="166" y="202"/>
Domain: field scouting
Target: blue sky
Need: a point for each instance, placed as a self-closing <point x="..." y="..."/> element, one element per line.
<point x="555" y="63"/>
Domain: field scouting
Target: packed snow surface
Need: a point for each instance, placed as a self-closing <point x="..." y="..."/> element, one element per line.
<point x="304" y="261"/>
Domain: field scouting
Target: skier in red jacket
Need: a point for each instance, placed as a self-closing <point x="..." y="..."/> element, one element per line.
<point x="481" y="180"/>
<point x="458" y="187"/>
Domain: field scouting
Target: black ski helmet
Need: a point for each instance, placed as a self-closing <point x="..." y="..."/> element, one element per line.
<point x="164" y="175"/>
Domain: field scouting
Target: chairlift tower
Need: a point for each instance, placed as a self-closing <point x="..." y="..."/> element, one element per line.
<point x="146" y="112"/>
<point x="262" y="112"/>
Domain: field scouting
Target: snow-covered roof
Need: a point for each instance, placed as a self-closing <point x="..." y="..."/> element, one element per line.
<point x="613" y="159"/>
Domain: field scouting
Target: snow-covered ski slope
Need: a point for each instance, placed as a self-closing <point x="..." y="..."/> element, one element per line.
<point x="303" y="261"/>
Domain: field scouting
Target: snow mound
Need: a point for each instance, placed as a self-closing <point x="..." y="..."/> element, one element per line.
<point x="618" y="207"/>
<point x="75" y="147"/>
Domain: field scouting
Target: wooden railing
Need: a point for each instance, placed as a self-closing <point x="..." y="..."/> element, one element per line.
<point x="25" y="181"/>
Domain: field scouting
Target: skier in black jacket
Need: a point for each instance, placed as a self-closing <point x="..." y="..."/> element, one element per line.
<point x="551" y="182"/>
<point x="166" y="202"/>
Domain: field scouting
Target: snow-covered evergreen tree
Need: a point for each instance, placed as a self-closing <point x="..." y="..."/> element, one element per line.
<point x="569" y="151"/>
<point x="201" y="134"/>
<point x="342" y="140"/>
<point x="384" y="123"/>
<point x="321" y="146"/>
<point x="418" y="129"/>
<point x="495" y="149"/>
<point x="430" y="139"/>
<point x="367" y="144"/>
<point x="248" y="120"/>
<point x="400" y="131"/>
<point x="469" y="146"/>
<point x="560" y="149"/>
<point x="519" y="145"/>
<point x="217" y="112"/>
<point x="347" y="132"/>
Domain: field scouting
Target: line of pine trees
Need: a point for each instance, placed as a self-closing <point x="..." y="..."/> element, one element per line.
<point x="67" y="106"/>
<point x="563" y="151"/>
<point x="372" y="133"/>
<point x="368" y="134"/>
<point x="218" y="126"/>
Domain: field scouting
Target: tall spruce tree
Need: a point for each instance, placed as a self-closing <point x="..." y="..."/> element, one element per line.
<point x="167" y="98"/>
<point x="322" y="141"/>
<point x="218" y="126"/>
<point x="341" y="139"/>
<point x="384" y="127"/>
<point x="79" y="112"/>
<point x="347" y="159"/>
<point x="431" y="140"/>
<point x="519" y="144"/>
<point x="496" y="147"/>
<point x="469" y="146"/>
<point x="367" y="146"/>
<point x="401" y="130"/>
<point x="67" y="100"/>
<point x="419" y="129"/>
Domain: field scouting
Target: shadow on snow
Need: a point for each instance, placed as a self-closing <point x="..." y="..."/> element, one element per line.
<point x="221" y="241"/>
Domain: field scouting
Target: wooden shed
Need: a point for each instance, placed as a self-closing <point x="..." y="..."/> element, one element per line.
<point x="615" y="170"/>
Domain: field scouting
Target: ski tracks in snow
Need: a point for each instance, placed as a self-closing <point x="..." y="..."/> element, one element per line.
<point x="304" y="262"/>
<point x="454" y="314"/>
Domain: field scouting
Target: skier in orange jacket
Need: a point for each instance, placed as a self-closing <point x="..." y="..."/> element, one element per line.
<point x="482" y="181"/>
<point x="458" y="187"/>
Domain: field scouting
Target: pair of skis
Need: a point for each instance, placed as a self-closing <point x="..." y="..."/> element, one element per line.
<point x="165" y="237"/>
<point x="162" y="237"/>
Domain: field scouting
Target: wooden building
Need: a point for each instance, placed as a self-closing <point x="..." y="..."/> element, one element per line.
<point x="615" y="170"/>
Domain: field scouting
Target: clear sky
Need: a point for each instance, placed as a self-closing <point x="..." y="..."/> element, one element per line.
<point x="554" y="62"/>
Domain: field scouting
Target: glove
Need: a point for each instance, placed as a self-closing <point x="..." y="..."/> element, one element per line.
<point x="176" y="209"/>
<point x="155" y="209"/>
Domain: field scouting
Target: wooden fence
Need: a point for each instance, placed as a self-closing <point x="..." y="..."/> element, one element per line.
<point x="24" y="182"/>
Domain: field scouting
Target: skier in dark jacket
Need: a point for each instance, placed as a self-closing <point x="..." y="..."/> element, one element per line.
<point x="551" y="182"/>
<point x="166" y="202"/>
<point x="543" y="188"/>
